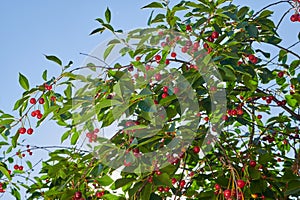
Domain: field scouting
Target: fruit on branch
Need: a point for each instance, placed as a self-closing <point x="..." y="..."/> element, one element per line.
<point x="252" y="163"/>
<point x="241" y="183"/>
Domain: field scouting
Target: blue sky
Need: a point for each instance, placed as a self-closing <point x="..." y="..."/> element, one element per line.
<point x="30" y="29"/>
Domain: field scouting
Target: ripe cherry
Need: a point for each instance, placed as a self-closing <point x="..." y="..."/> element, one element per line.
<point x="33" y="113"/>
<point x="21" y="168"/>
<point x="32" y="101"/>
<point x="173" y="54"/>
<point x="167" y="189"/>
<point x="188" y="28"/>
<point x="164" y="95"/>
<point x="182" y="183"/>
<point x="157" y="58"/>
<point x="127" y="164"/>
<point x="30" y="131"/>
<point x="252" y="163"/>
<point x="41" y="100"/>
<point x="160" y="188"/>
<point x="157" y="77"/>
<point x="174" y="181"/>
<point x="240" y="183"/>
<point x="215" y="35"/>
<point x="196" y="149"/>
<point x="217" y="186"/>
<point x="280" y="74"/>
<point x="259" y="116"/>
<point x="22" y="130"/>
<point x="210" y="39"/>
<point x="138" y="58"/>
<point x="39" y="116"/>
<point x="78" y="195"/>
<point x="165" y="89"/>
<point x="176" y="90"/>
<point x="227" y="193"/>
<point x="16" y="167"/>
<point x="294" y="17"/>
<point x="184" y="49"/>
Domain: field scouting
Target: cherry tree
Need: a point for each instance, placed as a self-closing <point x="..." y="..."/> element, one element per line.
<point x="192" y="107"/>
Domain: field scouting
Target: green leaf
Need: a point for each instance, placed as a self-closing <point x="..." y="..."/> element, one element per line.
<point x="98" y="30"/>
<point x="146" y="192"/>
<point x="5" y="172"/>
<point x="107" y="15"/>
<point x="153" y="5"/>
<point x="23" y="82"/>
<point x="108" y="51"/>
<point x="150" y="18"/>
<point x="122" y="182"/>
<point x="293" y="188"/>
<point x="105" y="180"/>
<point x="65" y="135"/>
<point x="162" y="179"/>
<point x="252" y="30"/>
<point x="29" y="164"/>
<point x="54" y="59"/>
<point x="44" y="76"/>
<point x="14" y="139"/>
<point x="265" y="14"/>
<point x="74" y="138"/>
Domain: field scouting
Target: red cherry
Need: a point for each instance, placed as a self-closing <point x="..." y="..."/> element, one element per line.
<point x="227" y="193"/>
<point x="176" y="90"/>
<point x="259" y="116"/>
<point x="280" y="74"/>
<point x="241" y="183"/>
<point x="150" y="179"/>
<point x="98" y="194"/>
<point x="188" y="28"/>
<point x="225" y="117"/>
<point x="22" y="130"/>
<point x="33" y="113"/>
<point x="173" y="54"/>
<point x="167" y="189"/>
<point x="138" y="58"/>
<point x="167" y="61"/>
<point x="32" y="101"/>
<point x="184" y="49"/>
<point x="164" y="95"/>
<point x="78" y="195"/>
<point x="215" y="35"/>
<point x="16" y="167"/>
<point x="157" y="77"/>
<point x="217" y="186"/>
<point x="294" y="17"/>
<point x="158" y="173"/>
<point x="210" y="39"/>
<point x="251" y="57"/>
<point x="39" y="116"/>
<point x="239" y="112"/>
<point x="53" y="98"/>
<point x="157" y="58"/>
<point x="21" y="168"/>
<point x="165" y="89"/>
<point x="127" y="164"/>
<point x="41" y="100"/>
<point x="30" y="131"/>
<point x="174" y="181"/>
<point x="196" y="149"/>
<point x="205" y="46"/>
<point x="252" y="163"/>
<point x="182" y="183"/>
<point x="160" y="188"/>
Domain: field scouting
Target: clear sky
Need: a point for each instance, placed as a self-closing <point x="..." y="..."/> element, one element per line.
<point x="30" y="29"/>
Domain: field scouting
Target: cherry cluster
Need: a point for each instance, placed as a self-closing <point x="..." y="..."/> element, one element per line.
<point x="296" y="17"/>
<point x="92" y="136"/>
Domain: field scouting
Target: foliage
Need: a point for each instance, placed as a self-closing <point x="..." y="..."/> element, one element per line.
<point x="163" y="99"/>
